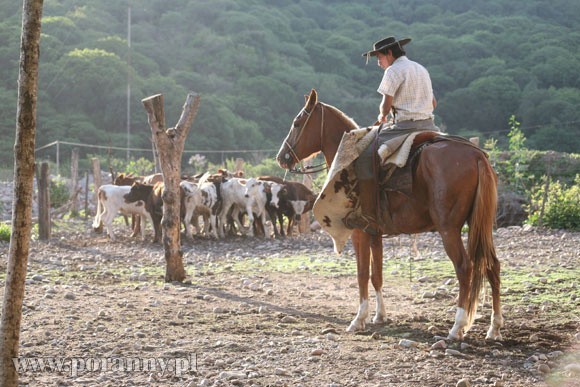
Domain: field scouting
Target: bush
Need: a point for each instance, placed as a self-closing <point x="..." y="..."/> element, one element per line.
<point x="561" y="206"/>
<point x="139" y="167"/>
<point x="59" y="192"/>
<point x="5" y="232"/>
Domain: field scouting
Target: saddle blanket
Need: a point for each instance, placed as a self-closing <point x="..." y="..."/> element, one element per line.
<point x="338" y="195"/>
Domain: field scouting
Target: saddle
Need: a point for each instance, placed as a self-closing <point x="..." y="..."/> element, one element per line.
<point x="393" y="178"/>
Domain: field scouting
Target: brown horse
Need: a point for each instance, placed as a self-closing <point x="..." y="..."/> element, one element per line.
<point x="453" y="183"/>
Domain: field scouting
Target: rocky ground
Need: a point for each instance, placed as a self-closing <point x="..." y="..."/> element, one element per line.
<point x="270" y="312"/>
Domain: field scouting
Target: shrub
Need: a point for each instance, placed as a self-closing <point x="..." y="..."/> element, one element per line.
<point x="559" y="207"/>
<point x="59" y="192"/>
<point x="5" y="232"/>
<point x="139" y="167"/>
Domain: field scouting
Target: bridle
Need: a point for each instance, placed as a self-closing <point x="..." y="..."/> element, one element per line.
<point x="304" y="170"/>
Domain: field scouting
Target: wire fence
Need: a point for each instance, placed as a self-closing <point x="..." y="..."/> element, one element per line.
<point x="56" y="152"/>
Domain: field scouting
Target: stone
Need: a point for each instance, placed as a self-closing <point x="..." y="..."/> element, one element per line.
<point x="408" y="343"/>
<point x="289" y="320"/>
<point x="441" y="344"/>
<point x="544" y="368"/>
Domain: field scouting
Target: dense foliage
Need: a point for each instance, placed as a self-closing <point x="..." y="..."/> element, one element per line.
<point x="252" y="62"/>
<point x="556" y="205"/>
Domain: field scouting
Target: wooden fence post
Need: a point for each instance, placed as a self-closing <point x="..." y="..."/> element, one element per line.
<point x="43" y="202"/>
<point x="74" y="170"/>
<point x="96" y="175"/>
<point x="239" y="166"/>
<point x="86" y="195"/>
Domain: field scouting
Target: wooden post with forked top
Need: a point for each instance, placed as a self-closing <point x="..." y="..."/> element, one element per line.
<point x="170" y="143"/>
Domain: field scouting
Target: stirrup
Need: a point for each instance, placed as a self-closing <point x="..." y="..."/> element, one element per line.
<point x="363" y="222"/>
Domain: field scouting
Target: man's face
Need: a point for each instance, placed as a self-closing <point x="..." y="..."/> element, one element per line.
<point x="383" y="60"/>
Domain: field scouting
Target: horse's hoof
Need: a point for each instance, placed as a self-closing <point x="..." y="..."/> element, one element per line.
<point x="455" y="337"/>
<point x="493" y="336"/>
<point x="356" y="326"/>
<point x="379" y="319"/>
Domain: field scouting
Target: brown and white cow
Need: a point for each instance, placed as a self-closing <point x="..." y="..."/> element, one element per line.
<point x="199" y="199"/>
<point x="263" y="195"/>
<point x="295" y="200"/>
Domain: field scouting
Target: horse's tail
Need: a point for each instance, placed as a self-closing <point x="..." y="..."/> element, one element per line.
<point x="480" y="244"/>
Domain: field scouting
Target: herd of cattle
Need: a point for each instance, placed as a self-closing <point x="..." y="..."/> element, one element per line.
<point x="228" y="203"/>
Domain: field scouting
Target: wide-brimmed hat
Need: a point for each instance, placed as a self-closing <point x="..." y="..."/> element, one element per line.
<point x="385" y="43"/>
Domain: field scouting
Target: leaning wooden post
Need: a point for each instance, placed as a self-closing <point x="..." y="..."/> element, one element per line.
<point x="170" y="144"/>
<point x="43" y="183"/>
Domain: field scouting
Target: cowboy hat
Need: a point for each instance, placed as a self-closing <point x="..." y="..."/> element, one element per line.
<point x="384" y="44"/>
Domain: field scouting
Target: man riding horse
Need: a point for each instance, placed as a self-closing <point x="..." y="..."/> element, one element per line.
<point x="409" y="101"/>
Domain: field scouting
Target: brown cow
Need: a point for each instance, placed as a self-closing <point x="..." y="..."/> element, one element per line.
<point x="151" y="196"/>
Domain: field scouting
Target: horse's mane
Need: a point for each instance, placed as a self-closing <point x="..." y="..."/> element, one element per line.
<point x="341" y="115"/>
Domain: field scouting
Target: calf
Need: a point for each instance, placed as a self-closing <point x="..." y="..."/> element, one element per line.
<point x="150" y="196"/>
<point x="297" y="200"/>
<point x="112" y="200"/>
<point x="197" y="200"/>
<point x="129" y="179"/>
<point x="238" y="197"/>
<point x="266" y="196"/>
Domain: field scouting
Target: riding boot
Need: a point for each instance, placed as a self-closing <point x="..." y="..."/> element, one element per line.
<point x="366" y="218"/>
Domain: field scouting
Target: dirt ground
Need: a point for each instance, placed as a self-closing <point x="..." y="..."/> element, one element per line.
<point x="265" y="312"/>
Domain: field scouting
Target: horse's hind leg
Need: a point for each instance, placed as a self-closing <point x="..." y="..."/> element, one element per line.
<point x="493" y="332"/>
<point x="377" y="277"/>
<point x="464" y="271"/>
<point x="361" y="244"/>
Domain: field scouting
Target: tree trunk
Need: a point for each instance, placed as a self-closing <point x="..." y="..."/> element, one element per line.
<point x="23" y="189"/>
<point x="169" y="144"/>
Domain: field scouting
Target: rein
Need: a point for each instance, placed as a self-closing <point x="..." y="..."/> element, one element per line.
<point x="309" y="169"/>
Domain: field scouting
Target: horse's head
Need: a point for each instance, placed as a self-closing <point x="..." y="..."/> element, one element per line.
<point x="304" y="137"/>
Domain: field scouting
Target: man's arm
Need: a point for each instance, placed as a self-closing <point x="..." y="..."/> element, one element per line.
<point x="385" y="108"/>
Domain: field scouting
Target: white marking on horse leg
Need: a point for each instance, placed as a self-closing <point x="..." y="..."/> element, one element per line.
<point x="381" y="314"/>
<point x="358" y="324"/>
<point x="456" y="333"/>
<point x="493" y="332"/>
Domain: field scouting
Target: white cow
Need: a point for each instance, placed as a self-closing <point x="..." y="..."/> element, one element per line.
<point x="111" y="202"/>
<point x="233" y="195"/>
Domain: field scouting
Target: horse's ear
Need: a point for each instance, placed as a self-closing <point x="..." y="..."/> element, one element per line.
<point x="312" y="99"/>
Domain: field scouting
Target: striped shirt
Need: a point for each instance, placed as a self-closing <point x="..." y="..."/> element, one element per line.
<point x="410" y="86"/>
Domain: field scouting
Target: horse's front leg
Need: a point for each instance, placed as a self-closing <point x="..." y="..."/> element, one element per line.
<point x="377" y="277"/>
<point x="361" y="244"/>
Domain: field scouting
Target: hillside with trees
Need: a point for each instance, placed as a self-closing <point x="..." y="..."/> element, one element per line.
<point x="253" y="61"/>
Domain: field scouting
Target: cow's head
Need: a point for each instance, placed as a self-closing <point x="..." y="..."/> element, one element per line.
<point x="138" y="192"/>
<point x="253" y="187"/>
<point x="279" y="193"/>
